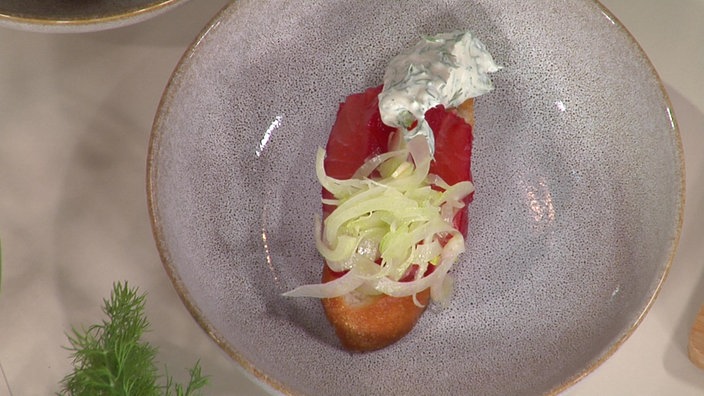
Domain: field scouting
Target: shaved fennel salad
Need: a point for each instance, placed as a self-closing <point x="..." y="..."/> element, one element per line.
<point x="382" y="226"/>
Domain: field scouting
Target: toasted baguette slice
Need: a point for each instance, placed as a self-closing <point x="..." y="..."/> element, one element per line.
<point x="366" y="323"/>
<point x="466" y="111"/>
<point x="370" y="322"/>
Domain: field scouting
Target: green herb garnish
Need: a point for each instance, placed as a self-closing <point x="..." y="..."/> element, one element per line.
<point x="110" y="359"/>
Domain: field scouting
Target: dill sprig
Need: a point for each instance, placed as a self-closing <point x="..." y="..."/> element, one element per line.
<point x="111" y="359"/>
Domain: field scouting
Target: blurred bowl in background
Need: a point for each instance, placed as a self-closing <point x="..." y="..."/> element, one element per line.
<point x="76" y="16"/>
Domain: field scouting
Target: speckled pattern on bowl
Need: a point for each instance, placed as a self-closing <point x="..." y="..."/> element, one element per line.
<point x="576" y="217"/>
<point x="76" y="16"/>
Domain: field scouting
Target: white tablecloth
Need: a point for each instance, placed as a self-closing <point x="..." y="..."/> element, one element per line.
<point x="75" y="115"/>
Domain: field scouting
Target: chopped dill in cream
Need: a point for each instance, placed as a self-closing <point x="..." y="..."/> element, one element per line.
<point x="445" y="69"/>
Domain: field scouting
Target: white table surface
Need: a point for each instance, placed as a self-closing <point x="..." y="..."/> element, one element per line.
<point x="75" y="115"/>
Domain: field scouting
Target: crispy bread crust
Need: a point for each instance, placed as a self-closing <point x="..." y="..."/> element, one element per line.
<point x="366" y="323"/>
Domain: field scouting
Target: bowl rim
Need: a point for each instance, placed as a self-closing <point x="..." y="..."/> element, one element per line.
<point x="249" y="367"/>
<point x="94" y="23"/>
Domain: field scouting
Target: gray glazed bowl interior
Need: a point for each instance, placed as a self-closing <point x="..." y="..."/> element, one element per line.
<point x="577" y="211"/>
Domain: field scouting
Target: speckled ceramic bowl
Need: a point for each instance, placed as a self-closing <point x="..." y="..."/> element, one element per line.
<point x="75" y="16"/>
<point x="576" y="217"/>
